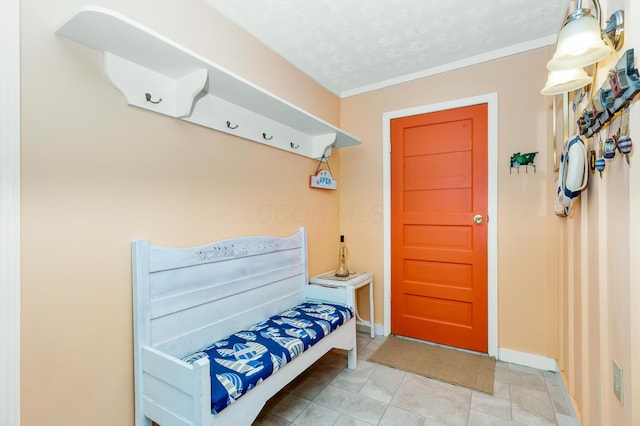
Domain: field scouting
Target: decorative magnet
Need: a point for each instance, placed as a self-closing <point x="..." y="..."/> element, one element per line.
<point x="625" y="146"/>
<point x="600" y="165"/>
<point x="609" y="149"/>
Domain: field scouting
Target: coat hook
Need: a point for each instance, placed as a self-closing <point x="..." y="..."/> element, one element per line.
<point x="148" y="97"/>
<point x="294" y="146"/>
<point x="230" y="126"/>
<point x="264" y="135"/>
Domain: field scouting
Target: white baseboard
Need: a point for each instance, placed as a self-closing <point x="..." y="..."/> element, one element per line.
<point x="528" y="360"/>
<point x="378" y="328"/>
<point x="506" y="355"/>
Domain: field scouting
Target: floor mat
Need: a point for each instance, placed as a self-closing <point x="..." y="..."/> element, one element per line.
<point x="448" y="365"/>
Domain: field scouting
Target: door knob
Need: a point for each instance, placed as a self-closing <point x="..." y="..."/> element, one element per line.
<point x="478" y="219"/>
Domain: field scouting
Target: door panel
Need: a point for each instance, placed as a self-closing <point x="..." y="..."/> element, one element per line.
<point x="438" y="253"/>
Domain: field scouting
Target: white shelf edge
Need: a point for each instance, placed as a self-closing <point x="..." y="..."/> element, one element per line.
<point x="171" y="69"/>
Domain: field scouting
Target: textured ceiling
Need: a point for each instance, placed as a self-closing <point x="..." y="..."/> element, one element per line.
<point x="352" y="46"/>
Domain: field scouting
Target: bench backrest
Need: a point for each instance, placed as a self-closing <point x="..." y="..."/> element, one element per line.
<point x="187" y="298"/>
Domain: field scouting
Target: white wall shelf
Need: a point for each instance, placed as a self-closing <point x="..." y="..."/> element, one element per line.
<point x="154" y="73"/>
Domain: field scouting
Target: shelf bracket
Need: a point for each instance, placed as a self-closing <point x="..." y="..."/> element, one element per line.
<point x="322" y="145"/>
<point x="136" y="82"/>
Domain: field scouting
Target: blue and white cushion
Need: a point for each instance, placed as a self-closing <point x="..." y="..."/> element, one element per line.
<point x="241" y="361"/>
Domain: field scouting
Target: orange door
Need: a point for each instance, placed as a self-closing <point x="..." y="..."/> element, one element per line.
<point x="438" y="251"/>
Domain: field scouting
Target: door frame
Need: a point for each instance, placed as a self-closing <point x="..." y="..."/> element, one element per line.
<point x="10" y="213"/>
<point x="491" y="99"/>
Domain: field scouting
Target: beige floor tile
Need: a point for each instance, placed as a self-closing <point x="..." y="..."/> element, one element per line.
<point x="531" y="406"/>
<point x="313" y="381"/>
<point x="350" y="380"/>
<point x="383" y="383"/>
<point x="501" y="390"/>
<point x="429" y="422"/>
<point x="365" y="368"/>
<point x="371" y="347"/>
<point x="346" y="420"/>
<point x="552" y="376"/>
<point x="377" y="342"/>
<point x="328" y="393"/>
<point x="524" y="369"/>
<point x="558" y="396"/>
<point x="477" y="418"/>
<point x="354" y="380"/>
<point x="494" y="406"/>
<point x="564" y="420"/>
<point x="433" y="399"/>
<point x="518" y="376"/>
<point x="323" y="373"/>
<point x="287" y="406"/>
<point x="316" y="415"/>
<point x="357" y="406"/>
<point x="366" y="352"/>
<point x="363" y="339"/>
<point x="308" y="388"/>
<point x="398" y="417"/>
<point x="334" y="358"/>
<point x="267" y="419"/>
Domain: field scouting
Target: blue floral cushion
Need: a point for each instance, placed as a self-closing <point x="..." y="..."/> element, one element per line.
<point x="244" y="359"/>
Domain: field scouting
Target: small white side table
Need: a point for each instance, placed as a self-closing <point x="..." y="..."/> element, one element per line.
<point x="343" y="290"/>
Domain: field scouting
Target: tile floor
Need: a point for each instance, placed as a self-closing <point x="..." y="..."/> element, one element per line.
<point x="330" y="394"/>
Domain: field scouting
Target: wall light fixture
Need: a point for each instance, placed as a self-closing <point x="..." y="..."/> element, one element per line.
<point x="581" y="43"/>
<point x="562" y="81"/>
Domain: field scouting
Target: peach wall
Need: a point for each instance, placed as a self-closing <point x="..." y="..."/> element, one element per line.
<point x="526" y="294"/>
<point x="97" y="174"/>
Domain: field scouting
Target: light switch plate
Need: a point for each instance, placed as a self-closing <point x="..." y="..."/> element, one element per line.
<point x="617" y="382"/>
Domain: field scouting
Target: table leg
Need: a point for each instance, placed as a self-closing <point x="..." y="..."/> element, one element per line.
<point x="371" y="316"/>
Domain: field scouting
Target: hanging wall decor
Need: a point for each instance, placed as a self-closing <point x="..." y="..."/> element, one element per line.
<point x="625" y="145"/>
<point x="323" y="178"/>
<point x="573" y="175"/>
<point x="526" y="160"/>
<point x="618" y="90"/>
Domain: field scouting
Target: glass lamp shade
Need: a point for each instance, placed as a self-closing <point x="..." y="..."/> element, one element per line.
<point x="565" y="81"/>
<point x="579" y="44"/>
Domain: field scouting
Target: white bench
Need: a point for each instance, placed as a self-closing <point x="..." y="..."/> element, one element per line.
<point x="187" y="298"/>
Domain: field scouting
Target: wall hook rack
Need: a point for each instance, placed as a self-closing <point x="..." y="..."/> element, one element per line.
<point x="526" y="160"/>
<point x="190" y="87"/>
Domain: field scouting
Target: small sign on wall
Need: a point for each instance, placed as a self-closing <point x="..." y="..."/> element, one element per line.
<point x="323" y="180"/>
